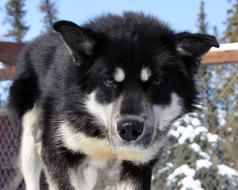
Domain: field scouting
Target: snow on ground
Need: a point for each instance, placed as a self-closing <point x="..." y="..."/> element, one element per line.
<point x="227" y="171"/>
<point x="203" y="163"/>
<point x="188" y="181"/>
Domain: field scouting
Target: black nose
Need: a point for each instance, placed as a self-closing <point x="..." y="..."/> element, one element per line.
<point x="130" y="129"/>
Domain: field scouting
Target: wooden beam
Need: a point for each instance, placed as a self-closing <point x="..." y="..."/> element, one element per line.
<point x="228" y="53"/>
<point x="7" y="73"/>
<point x="221" y="57"/>
<point x="9" y="52"/>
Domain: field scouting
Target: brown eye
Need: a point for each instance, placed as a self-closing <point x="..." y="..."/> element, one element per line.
<point x="157" y="82"/>
<point x="108" y="81"/>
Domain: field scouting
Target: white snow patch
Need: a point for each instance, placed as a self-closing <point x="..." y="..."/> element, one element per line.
<point x="221" y="116"/>
<point x="212" y="138"/>
<point x="182" y="170"/>
<point x="174" y="133"/>
<point x="168" y="166"/>
<point x="177" y="122"/>
<point x="203" y="163"/>
<point x="188" y="182"/>
<point x="2" y="66"/>
<point x="199" y="130"/>
<point x="190" y="130"/>
<point x="226" y="47"/>
<point x="195" y="122"/>
<point x="188" y="133"/>
<point x="197" y="148"/>
<point x="227" y="171"/>
<point x="187" y="118"/>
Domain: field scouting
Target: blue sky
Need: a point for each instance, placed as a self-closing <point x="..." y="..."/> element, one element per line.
<point x="180" y="14"/>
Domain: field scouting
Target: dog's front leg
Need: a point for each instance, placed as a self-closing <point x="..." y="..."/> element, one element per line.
<point x="135" y="176"/>
<point x="30" y="164"/>
<point x="83" y="178"/>
<point x="71" y="178"/>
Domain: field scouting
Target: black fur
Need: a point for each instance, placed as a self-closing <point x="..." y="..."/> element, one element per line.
<point x="58" y="80"/>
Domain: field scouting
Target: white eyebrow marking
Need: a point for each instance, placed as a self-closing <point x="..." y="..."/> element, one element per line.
<point x="119" y="75"/>
<point x="145" y="74"/>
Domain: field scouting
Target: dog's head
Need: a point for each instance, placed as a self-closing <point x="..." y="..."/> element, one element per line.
<point x="136" y="75"/>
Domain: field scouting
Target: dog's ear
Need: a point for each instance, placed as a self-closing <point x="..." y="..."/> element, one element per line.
<point x="79" y="41"/>
<point x="193" y="46"/>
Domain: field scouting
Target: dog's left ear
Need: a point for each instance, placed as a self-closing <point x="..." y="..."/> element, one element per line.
<point x="79" y="41"/>
<point x="194" y="46"/>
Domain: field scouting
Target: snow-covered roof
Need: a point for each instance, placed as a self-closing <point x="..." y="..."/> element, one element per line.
<point x="226" y="47"/>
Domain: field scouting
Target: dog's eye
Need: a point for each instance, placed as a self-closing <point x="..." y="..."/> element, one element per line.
<point x="109" y="81"/>
<point x="157" y="82"/>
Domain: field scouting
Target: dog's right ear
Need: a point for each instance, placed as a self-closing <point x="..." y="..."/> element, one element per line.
<point x="79" y="41"/>
<point x="194" y="47"/>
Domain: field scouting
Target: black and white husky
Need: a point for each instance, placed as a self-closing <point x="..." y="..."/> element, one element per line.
<point x="103" y="93"/>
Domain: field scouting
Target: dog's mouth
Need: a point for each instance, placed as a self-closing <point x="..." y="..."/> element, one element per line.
<point x="140" y="151"/>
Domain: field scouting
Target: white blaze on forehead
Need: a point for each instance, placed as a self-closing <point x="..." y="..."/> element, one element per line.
<point x="119" y="74"/>
<point x="101" y="112"/>
<point x="145" y="74"/>
<point x="165" y="114"/>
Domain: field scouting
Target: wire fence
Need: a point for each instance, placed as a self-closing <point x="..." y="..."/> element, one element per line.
<point x="219" y="87"/>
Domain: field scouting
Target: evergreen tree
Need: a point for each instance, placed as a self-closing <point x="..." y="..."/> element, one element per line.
<point x="215" y="31"/>
<point x="49" y="9"/>
<point x="228" y="96"/>
<point x="206" y="71"/>
<point x="202" y="24"/>
<point x="194" y="160"/>
<point x="231" y="33"/>
<point x="15" y="17"/>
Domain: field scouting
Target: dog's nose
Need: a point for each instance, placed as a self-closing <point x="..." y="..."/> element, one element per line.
<point x="130" y="129"/>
